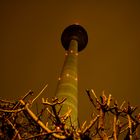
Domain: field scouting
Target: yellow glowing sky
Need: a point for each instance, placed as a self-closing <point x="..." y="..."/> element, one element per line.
<point x="31" y="53"/>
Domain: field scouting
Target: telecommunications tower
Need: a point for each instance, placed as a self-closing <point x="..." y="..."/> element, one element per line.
<point x="74" y="39"/>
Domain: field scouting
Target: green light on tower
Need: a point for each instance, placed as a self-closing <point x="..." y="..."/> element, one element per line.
<point x="74" y="39"/>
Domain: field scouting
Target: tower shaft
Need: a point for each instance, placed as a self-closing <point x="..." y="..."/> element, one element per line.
<point x="68" y="83"/>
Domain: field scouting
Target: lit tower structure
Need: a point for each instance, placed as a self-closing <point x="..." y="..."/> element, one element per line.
<point x="74" y="39"/>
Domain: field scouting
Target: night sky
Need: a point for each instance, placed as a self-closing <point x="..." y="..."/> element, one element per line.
<point x="31" y="54"/>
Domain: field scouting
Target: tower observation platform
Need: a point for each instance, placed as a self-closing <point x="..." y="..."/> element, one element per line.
<point x="74" y="39"/>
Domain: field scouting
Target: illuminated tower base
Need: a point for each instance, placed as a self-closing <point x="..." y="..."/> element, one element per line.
<point x="74" y="39"/>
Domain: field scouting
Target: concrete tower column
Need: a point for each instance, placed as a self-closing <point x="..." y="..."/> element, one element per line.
<point x="74" y="39"/>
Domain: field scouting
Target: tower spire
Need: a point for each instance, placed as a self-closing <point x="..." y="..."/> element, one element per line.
<point x="74" y="39"/>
